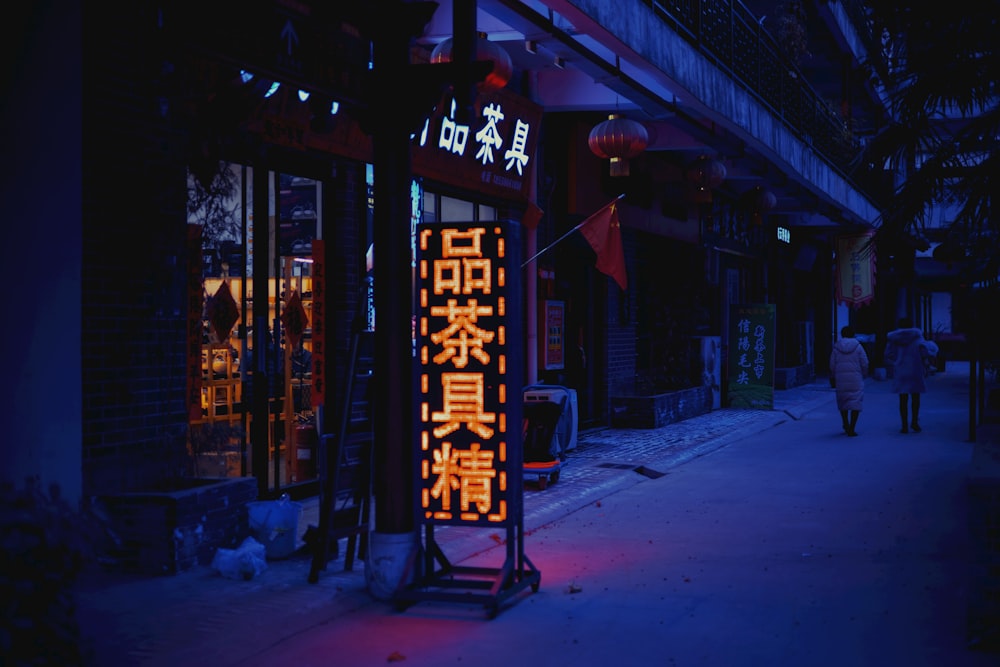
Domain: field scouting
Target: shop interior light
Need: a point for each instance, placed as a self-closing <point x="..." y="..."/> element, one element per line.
<point x="257" y="86"/>
<point x="303" y="95"/>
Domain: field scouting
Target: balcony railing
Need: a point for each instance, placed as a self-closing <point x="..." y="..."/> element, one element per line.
<point x="730" y="35"/>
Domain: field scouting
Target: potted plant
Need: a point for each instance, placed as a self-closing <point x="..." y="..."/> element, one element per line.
<point x="46" y="543"/>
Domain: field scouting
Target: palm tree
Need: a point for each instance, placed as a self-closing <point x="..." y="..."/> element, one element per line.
<point x="942" y="140"/>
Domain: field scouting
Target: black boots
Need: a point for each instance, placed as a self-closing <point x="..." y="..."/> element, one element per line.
<point x="915" y="424"/>
<point x="850" y="423"/>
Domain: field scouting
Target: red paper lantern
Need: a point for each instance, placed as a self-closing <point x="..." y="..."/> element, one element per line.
<point x="618" y="139"/>
<point x="705" y="174"/>
<point x="503" y="67"/>
<point x="763" y="199"/>
<point x="759" y="200"/>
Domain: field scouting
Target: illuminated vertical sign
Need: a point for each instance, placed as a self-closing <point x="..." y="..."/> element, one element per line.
<point x="856" y="268"/>
<point x="751" y="356"/>
<point x="468" y="455"/>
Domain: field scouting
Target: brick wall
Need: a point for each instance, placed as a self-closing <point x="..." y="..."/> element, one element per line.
<point x="346" y="245"/>
<point x="134" y="196"/>
<point x="621" y="318"/>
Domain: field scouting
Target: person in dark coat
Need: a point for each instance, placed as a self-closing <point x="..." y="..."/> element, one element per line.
<point x="906" y="352"/>
<point x="848" y="369"/>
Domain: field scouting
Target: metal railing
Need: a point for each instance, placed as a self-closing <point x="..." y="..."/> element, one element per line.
<point x="730" y="35"/>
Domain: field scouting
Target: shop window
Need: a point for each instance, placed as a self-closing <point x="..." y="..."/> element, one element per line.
<point x="457" y="210"/>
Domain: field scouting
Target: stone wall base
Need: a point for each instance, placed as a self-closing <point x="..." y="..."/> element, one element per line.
<point x="659" y="410"/>
<point x="166" y="532"/>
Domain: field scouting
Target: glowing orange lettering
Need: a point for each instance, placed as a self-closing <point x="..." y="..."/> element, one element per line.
<point x="446" y="467"/>
<point x="463" y="404"/>
<point x="476" y="471"/>
<point x="470" y="338"/>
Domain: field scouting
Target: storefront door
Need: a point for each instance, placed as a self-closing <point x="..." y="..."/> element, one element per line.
<point x="257" y="415"/>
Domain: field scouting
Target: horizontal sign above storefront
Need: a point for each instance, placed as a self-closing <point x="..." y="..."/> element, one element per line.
<point x="491" y="155"/>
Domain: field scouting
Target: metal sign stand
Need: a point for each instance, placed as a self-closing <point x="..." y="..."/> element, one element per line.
<point x="468" y="453"/>
<point x="491" y="587"/>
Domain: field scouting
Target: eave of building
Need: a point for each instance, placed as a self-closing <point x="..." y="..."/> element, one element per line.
<point x="620" y="56"/>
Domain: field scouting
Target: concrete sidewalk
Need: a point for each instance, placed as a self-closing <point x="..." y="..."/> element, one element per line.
<point x="879" y="496"/>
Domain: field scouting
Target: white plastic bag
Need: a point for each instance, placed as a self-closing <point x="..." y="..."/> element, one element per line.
<point x="245" y="562"/>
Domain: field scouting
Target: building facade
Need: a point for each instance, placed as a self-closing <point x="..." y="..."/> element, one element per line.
<point x="736" y="197"/>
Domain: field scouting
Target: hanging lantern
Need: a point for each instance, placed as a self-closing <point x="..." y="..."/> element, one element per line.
<point x="705" y="174"/>
<point x="618" y="139"/>
<point x="759" y="201"/>
<point x="503" y="67"/>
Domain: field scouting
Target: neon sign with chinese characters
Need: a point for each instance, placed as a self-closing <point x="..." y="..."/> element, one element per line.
<point x="751" y="356"/>
<point x="491" y="154"/>
<point x="468" y="469"/>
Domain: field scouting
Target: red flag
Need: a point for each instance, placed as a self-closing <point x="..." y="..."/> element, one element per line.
<point x="604" y="235"/>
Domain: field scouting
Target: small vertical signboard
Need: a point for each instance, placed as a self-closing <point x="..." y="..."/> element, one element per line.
<point x="468" y="455"/>
<point x="751" y="356"/>
<point x="554" y="356"/>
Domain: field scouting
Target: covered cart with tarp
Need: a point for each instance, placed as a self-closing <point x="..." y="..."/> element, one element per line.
<point x="550" y="425"/>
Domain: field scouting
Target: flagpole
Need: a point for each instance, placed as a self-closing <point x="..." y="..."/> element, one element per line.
<point x="552" y="245"/>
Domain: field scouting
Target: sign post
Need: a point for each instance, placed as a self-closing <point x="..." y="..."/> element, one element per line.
<point x="468" y="467"/>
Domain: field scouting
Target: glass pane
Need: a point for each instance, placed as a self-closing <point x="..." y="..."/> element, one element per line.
<point x="456" y="210"/>
<point x="217" y="430"/>
<point x="292" y="453"/>
<point x="430" y="207"/>
<point x="487" y="213"/>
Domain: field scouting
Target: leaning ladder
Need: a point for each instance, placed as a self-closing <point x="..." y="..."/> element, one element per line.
<point x="345" y="467"/>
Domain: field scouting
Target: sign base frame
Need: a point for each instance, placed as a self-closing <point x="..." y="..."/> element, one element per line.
<point x="442" y="581"/>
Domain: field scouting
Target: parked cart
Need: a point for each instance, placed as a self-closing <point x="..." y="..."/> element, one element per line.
<point x="549" y="431"/>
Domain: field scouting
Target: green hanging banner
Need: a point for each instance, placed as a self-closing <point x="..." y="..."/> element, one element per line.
<point x="751" y="356"/>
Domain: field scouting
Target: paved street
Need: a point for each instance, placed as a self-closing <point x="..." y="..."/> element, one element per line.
<point x="770" y="538"/>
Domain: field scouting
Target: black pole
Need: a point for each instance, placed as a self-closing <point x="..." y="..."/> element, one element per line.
<point x="976" y="378"/>
<point x="260" y="425"/>
<point x="393" y="373"/>
<point x="464" y="41"/>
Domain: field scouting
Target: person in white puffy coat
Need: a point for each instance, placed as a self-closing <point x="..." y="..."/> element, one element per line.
<point x="848" y="369"/>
